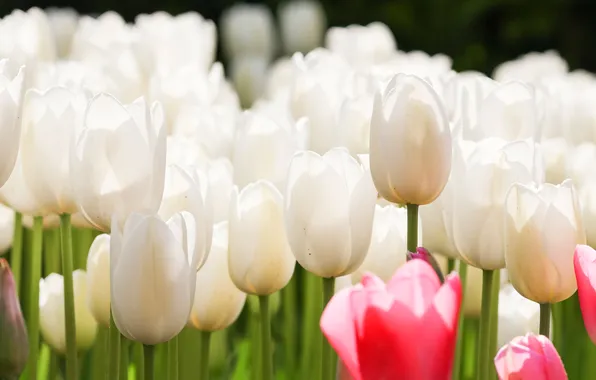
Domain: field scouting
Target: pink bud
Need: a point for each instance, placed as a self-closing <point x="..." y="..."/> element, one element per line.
<point x="530" y="357"/>
<point x="14" y="347"/>
<point x="423" y="254"/>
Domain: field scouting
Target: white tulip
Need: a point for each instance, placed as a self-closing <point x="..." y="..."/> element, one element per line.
<point x="280" y="79"/>
<point x="118" y="164"/>
<point x="152" y="294"/>
<point x="260" y="258"/>
<point x="555" y="152"/>
<point x="248" y="29"/>
<point x="387" y="250"/>
<point x="437" y="224"/>
<point x="212" y="128"/>
<point x="98" y="279"/>
<point x="410" y="142"/>
<point x="302" y="24"/>
<point x="51" y="312"/>
<point x="472" y="305"/>
<point x="75" y="75"/>
<point x="532" y="67"/>
<point x="218" y="302"/>
<point x="63" y="22"/>
<point x="16" y="193"/>
<point x="106" y="43"/>
<point x="480" y="190"/>
<point x="27" y="38"/>
<point x="321" y="86"/>
<point x="187" y="190"/>
<point x="330" y="203"/>
<point x="11" y="89"/>
<point x="362" y="45"/>
<point x="580" y="163"/>
<point x="6" y="228"/>
<point x="51" y="120"/>
<point x="510" y="112"/>
<point x="542" y="227"/>
<point x="185" y="152"/>
<point x="249" y="75"/>
<point x="220" y="174"/>
<point x="263" y="149"/>
<point x="168" y="42"/>
<point x="517" y="315"/>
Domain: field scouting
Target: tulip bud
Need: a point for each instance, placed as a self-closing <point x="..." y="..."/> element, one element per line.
<point x="542" y="228"/>
<point x="152" y="294"/>
<point x="424" y="255"/>
<point x="529" y="357"/>
<point x="330" y="203"/>
<point x="218" y="302"/>
<point x="410" y="142"/>
<point x="98" y="279"/>
<point x="14" y="346"/>
<point x="51" y="312"/>
<point x="259" y="256"/>
<point x="57" y="115"/>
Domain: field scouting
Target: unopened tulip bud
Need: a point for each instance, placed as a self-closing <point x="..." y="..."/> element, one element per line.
<point x="14" y="347"/>
<point x="423" y="254"/>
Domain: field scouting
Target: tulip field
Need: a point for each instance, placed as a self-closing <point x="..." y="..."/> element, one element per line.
<point x="322" y="206"/>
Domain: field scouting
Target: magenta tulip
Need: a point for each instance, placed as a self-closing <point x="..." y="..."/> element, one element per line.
<point x="405" y="329"/>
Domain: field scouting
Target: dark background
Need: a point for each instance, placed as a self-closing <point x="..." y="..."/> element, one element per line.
<point x="477" y="34"/>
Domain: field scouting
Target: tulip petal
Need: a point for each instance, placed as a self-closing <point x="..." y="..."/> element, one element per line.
<point x="338" y="326"/>
<point x="415" y="284"/>
<point x="584" y="262"/>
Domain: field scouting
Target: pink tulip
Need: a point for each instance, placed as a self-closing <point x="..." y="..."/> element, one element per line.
<point x="584" y="262"/>
<point x="14" y="347"/>
<point x="405" y="329"/>
<point x="530" y="357"/>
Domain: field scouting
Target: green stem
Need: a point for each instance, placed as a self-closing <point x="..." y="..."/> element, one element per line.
<point x="173" y="359"/>
<point x="494" y="322"/>
<point x="69" y="307"/>
<point x="139" y="362"/>
<point x="255" y="342"/>
<point x="16" y="253"/>
<point x="124" y="357"/>
<point x="545" y="319"/>
<point x="412" y="227"/>
<point x="459" y="349"/>
<point x="484" y="347"/>
<point x="51" y="242"/>
<point x="328" y="287"/>
<point x="34" y="276"/>
<point x="266" y="358"/>
<point x="100" y="353"/>
<point x="204" y="355"/>
<point x="114" y="367"/>
<point x="288" y="297"/>
<point x="557" y="310"/>
<point x="148" y="357"/>
<point x="450" y="265"/>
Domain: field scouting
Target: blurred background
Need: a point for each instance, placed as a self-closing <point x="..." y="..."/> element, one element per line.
<point x="477" y="34"/>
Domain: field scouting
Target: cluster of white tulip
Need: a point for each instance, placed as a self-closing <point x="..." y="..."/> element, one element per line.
<point x="135" y="131"/>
